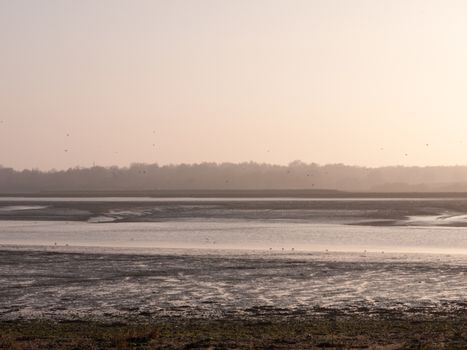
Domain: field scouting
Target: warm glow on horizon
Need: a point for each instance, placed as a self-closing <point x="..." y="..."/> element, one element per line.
<point x="114" y="82"/>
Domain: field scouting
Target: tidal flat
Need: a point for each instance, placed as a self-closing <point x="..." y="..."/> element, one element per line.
<point x="374" y="273"/>
<point x="67" y="299"/>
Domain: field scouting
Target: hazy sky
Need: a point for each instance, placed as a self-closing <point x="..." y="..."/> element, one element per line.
<point x="358" y="82"/>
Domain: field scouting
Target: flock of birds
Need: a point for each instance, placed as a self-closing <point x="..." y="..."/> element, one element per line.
<point x="211" y="241"/>
<point x="227" y="181"/>
<point x="66" y="150"/>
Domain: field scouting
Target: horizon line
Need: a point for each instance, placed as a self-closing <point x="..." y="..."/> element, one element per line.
<point x="290" y="164"/>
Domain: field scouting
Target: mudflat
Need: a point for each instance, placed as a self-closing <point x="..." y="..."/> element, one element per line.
<point x="111" y="300"/>
<point x="389" y="210"/>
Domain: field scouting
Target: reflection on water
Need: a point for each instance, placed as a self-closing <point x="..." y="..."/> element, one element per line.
<point x="238" y="234"/>
<point x="12" y="208"/>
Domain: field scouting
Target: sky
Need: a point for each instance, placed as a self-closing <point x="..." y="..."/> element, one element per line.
<point x="111" y="82"/>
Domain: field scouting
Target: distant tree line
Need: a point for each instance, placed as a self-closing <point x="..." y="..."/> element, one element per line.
<point x="230" y="176"/>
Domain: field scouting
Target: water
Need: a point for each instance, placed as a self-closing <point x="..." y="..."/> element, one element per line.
<point x="223" y="258"/>
<point x="237" y="234"/>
